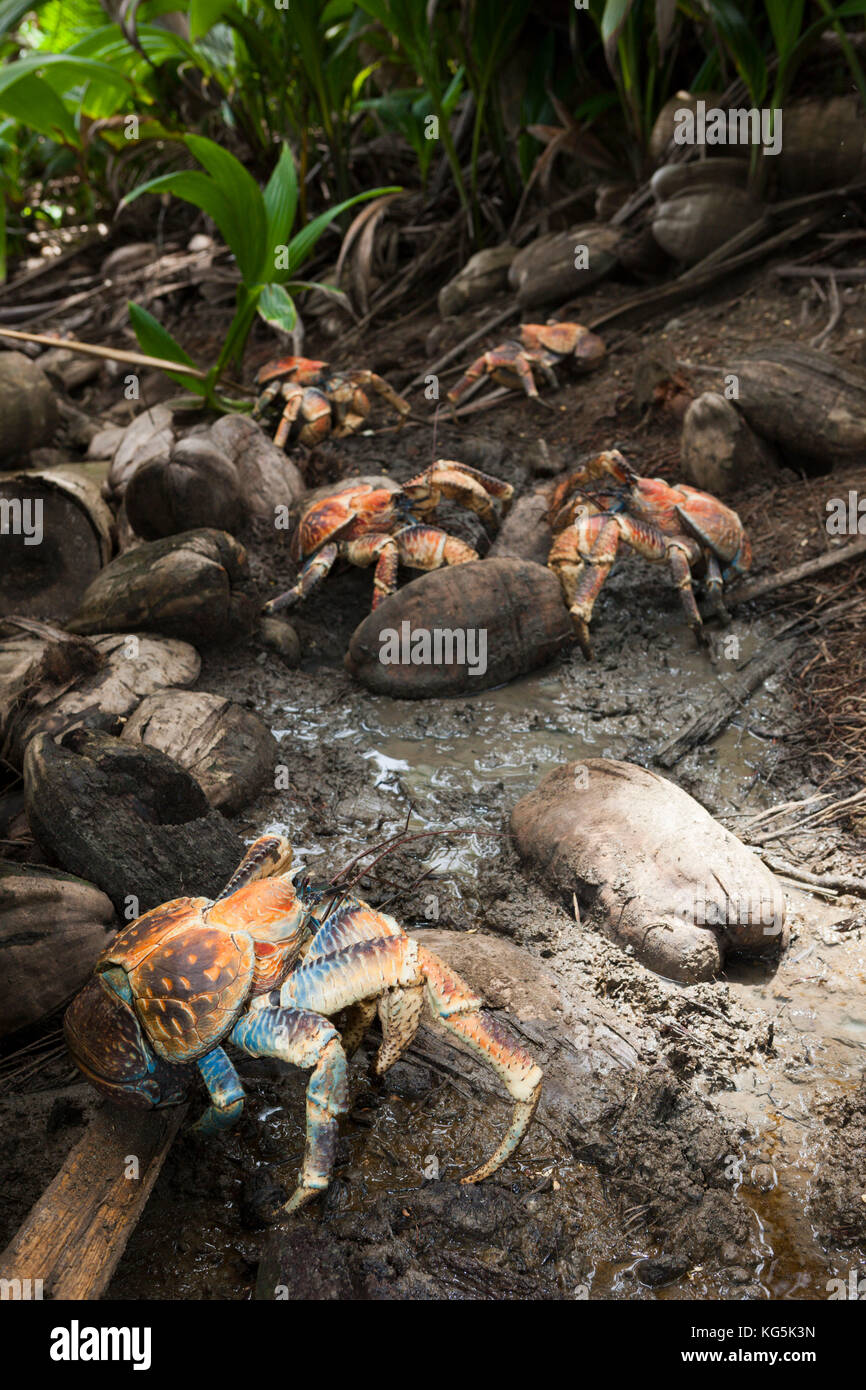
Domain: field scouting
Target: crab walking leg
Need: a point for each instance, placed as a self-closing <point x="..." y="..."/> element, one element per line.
<point x="382" y="388"/>
<point x="305" y="1040"/>
<point x="314" y="571"/>
<point x="715" y="586"/>
<point x="681" y="571"/>
<point x="383" y="551"/>
<point x="349" y="925"/>
<point x="267" y="856"/>
<point x="293" y="395"/>
<point x="583" y="556"/>
<point x="226" y="1093"/>
<point x="460" y="1011"/>
<point x="428" y="548"/>
<point x="356" y="1020"/>
<point x="470" y="381"/>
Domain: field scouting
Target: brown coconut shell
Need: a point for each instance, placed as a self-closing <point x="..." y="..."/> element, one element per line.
<point x="48" y="579"/>
<point x="701" y="219"/>
<point x="516" y="603"/>
<point x="28" y="408"/>
<point x="52" y="928"/>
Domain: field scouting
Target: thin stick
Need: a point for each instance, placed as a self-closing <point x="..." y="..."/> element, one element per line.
<point x="808" y="568"/>
<point x="135" y="359"/>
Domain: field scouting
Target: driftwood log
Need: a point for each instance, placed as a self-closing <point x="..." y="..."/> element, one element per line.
<point x="56" y="534"/>
<point x="79" y="1228"/>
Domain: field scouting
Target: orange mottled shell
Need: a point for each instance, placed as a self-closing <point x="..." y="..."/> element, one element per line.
<point x="305" y="370"/>
<point x="189" y="980"/>
<point x="343" y="514"/>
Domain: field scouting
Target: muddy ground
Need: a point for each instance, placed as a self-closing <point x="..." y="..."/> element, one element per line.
<point x="695" y="1141"/>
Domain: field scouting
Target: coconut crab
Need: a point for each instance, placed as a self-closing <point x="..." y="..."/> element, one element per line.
<point x="374" y="521"/>
<point x="535" y="351"/>
<point x="267" y="968"/>
<point x="690" y="531"/>
<point x="324" y="402"/>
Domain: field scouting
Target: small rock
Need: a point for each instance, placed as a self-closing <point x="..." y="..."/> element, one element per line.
<point x="281" y="637"/>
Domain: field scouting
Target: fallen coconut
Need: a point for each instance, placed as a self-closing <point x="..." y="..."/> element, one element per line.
<point x="654" y="870"/>
<point x="268" y="477"/>
<point x="564" y="264"/>
<point x="56" y="534"/>
<point x="28" y="408"/>
<point x="197" y="485"/>
<point x="806" y="401"/>
<point x="127" y="818"/>
<point x="183" y="586"/>
<point x="701" y="218"/>
<point x="150" y="436"/>
<point x="52" y="928"/>
<point x="229" y="751"/>
<point x="720" y="451"/>
<point x="460" y="630"/>
<point x="222" y="476"/>
<point x="52" y="681"/>
<point x="821" y="147"/>
<point x="484" y="275"/>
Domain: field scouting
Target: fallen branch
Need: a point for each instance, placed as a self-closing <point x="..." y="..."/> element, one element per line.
<point x="711" y="722"/>
<point x="78" y="1230"/>
<point x="746" y="592"/>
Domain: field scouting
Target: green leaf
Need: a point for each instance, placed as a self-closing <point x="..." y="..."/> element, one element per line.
<point x="203" y="15"/>
<point x="32" y="102"/>
<point x="301" y="246"/>
<point x="202" y="191"/>
<point x="281" y="200"/>
<point x="277" y="307"/>
<point x="2" y="236"/>
<point x="244" y="196"/>
<point x="156" y="341"/>
<point x="616" y="13"/>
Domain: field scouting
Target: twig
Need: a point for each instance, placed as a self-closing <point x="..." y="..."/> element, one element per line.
<point x="135" y="359"/>
<point x="806" y="570"/>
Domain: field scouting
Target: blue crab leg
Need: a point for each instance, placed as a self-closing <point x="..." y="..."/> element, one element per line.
<point x="399" y="969"/>
<point x="226" y="1093"/>
<point x="315" y="570"/>
<point x="306" y="1040"/>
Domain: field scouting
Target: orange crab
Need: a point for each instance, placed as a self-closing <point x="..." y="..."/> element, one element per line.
<point x="535" y="351"/>
<point x="267" y="967"/>
<point x="377" y="522"/>
<point x="318" y="401"/>
<point x="688" y="530"/>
